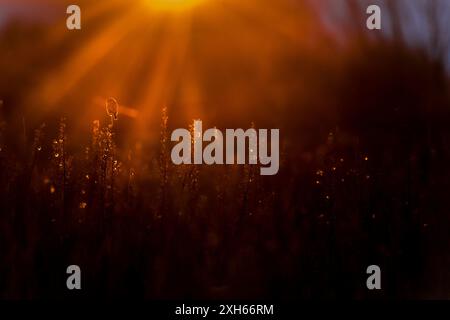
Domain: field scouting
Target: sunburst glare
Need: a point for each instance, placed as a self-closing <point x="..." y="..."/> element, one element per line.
<point x="172" y="5"/>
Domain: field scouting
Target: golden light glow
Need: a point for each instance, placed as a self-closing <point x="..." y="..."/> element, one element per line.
<point x="165" y="52"/>
<point x="172" y="5"/>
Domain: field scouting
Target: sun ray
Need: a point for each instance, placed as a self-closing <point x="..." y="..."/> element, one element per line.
<point x="172" y="5"/>
<point x="168" y="63"/>
<point x="90" y="14"/>
<point x="60" y="82"/>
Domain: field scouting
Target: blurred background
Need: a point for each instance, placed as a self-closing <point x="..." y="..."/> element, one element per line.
<point x="222" y="61"/>
<point x="365" y="145"/>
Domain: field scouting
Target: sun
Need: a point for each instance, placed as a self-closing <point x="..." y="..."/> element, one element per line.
<point x="172" y="5"/>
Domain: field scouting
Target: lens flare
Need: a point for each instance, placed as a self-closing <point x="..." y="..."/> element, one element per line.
<point x="172" y="5"/>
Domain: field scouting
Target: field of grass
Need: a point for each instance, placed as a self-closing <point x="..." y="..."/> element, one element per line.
<point x="364" y="159"/>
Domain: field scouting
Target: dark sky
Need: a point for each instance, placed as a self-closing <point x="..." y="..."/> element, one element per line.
<point x="413" y="15"/>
